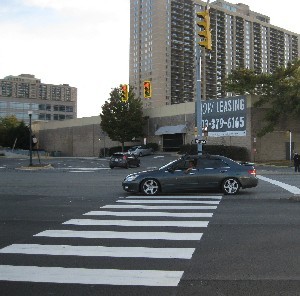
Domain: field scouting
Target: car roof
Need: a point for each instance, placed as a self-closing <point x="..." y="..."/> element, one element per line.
<point x="206" y="156"/>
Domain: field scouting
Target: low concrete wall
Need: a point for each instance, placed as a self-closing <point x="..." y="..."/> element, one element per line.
<point x="84" y="137"/>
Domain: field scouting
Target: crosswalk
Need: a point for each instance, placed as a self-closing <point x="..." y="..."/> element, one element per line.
<point x="136" y="241"/>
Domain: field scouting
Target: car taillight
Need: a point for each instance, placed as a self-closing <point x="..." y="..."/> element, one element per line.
<point x="124" y="157"/>
<point x="252" y="172"/>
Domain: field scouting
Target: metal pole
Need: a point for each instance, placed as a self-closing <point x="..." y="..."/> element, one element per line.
<point x="290" y="148"/>
<point x="30" y="140"/>
<point x="198" y="107"/>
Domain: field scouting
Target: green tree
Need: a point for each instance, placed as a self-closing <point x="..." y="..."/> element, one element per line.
<point x="122" y="121"/>
<point x="279" y="91"/>
<point x="13" y="131"/>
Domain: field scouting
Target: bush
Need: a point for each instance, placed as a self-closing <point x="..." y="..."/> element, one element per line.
<point x="233" y="152"/>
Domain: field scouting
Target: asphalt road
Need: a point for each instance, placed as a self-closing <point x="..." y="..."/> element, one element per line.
<point x="53" y="241"/>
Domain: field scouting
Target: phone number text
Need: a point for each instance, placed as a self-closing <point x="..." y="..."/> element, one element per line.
<point x="237" y="122"/>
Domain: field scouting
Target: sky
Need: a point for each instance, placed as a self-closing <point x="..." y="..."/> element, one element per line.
<point x="85" y="43"/>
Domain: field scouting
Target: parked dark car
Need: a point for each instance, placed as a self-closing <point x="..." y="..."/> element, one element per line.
<point x="124" y="160"/>
<point x="140" y="150"/>
<point x="194" y="173"/>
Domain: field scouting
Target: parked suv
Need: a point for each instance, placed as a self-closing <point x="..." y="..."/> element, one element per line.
<point x="140" y="150"/>
<point x="124" y="160"/>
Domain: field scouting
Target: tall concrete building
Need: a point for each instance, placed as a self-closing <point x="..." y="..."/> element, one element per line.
<point x="23" y="93"/>
<point x="163" y="40"/>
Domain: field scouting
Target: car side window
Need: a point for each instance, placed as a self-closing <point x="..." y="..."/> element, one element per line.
<point x="180" y="166"/>
<point x="185" y="164"/>
<point x="211" y="163"/>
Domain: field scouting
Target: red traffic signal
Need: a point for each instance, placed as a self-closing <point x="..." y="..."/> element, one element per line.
<point x="147" y="89"/>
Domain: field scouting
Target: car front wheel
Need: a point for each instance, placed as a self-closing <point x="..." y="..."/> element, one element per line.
<point x="230" y="186"/>
<point x="150" y="187"/>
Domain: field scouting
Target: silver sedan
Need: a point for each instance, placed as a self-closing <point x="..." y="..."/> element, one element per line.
<point x="141" y="150"/>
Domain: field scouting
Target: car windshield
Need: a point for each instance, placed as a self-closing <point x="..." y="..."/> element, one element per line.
<point x="169" y="164"/>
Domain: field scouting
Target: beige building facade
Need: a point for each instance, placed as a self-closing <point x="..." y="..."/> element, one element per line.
<point x="47" y="102"/>
<point x="163" y="40"/>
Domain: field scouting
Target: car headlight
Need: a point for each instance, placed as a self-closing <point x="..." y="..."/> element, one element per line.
<point x="131" y="178"/>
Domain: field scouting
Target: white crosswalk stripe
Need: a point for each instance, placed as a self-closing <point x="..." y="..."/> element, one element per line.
<point x="100" y="251"/>
<point x="174" y="197"/>
<point x="149" y="214"/>
<point x="168" y="202"/>
<point x="90" y="276"/>
<point x="123" y="235"/>
<point x="177" y="214"/>
<point x="159" y="207"/>
<point x="134" y="223"/>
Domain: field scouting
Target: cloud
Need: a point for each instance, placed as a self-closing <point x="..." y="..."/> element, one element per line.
<point x="84" y="44"/>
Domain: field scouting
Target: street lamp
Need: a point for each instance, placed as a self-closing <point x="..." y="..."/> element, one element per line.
<point x="30" y="139"/>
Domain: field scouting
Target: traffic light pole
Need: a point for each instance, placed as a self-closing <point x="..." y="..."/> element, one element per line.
<point x="198" y="106"/>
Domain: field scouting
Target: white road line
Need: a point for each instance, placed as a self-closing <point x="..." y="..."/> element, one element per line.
<point x="131" y="223"/>
<point x="149" y="214"/>
<point x="99" y="251"/>
<point x="157" y="201"/>
<point x="174" y="197"/>
<point x="122" y="235"/>
<point x="90" y="276"/>
<point x="159" y="207"/>
<point x="290" y="188"/>
<point x="81" y="171"/>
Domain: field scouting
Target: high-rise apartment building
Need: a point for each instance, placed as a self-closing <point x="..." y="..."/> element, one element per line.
<point x="23" y="93"/>
<point x="163" y="40"/>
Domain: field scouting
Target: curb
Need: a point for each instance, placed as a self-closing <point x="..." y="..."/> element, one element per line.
<point x="295" y="197"/>
<point x="35" y="167"/>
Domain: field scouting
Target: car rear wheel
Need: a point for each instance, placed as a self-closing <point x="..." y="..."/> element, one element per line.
<point x="230" y="186"/>
<point x="150" y="187"/>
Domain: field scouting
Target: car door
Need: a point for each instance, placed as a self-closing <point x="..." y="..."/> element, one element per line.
<point x="211" y="172"/>
<point x="178" y="180"/>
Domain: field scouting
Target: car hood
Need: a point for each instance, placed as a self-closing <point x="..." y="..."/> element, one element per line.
<point x="144" y="173"/>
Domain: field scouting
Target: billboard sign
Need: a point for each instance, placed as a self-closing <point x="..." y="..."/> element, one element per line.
<point x="225" y="117"/>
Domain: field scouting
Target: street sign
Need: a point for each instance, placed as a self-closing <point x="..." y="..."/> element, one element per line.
<point x="200" y="141"/>
<point x="225" y="117"/>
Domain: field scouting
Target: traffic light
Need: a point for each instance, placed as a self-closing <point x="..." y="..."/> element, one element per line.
<point x="147" y="89"/>
<point x="205" y="25"/>
<point x="124" y="93"/>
